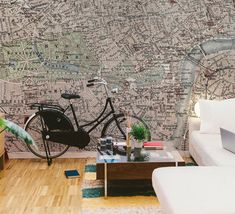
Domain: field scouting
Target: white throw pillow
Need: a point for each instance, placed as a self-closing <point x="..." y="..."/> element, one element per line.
<point x="215" y="114"/>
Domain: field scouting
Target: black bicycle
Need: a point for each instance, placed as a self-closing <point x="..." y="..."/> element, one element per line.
<point x="54" y="133"/>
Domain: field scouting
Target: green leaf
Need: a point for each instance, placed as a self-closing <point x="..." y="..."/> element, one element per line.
<point x="18" y="131"/>
<point x="2" y="123"/>
<point x="139" y="131"/>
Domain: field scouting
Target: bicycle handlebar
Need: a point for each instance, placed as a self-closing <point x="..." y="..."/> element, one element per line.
<point x="90" y="84"/>
<point x="98" y="81"/>
<point x="91" y="80"/>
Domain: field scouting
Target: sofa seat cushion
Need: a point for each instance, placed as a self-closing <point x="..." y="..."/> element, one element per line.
<point x="207" y="150"/>
<point x="195" y="190"/>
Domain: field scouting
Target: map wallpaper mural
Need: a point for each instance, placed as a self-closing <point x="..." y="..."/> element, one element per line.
<point x="159" y="54"/>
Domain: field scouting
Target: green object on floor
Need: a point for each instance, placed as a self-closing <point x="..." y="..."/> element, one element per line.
<point x="93" y="192"/>
<point x="90" y="168"/>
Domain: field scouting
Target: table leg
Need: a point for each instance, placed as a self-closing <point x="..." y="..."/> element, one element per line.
<point x="105" y="180"/>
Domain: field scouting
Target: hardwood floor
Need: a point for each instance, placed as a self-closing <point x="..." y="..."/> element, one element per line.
<point x="30" y="186"/>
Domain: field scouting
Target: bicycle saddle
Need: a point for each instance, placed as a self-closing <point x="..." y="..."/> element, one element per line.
<point x="70" y="96"/>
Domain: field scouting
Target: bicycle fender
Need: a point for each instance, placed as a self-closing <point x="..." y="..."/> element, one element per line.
<point x="26" y="124"/>
<point x="55" y="120"/>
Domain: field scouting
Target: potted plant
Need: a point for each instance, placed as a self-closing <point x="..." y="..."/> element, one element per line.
<point x="139" y="132"/>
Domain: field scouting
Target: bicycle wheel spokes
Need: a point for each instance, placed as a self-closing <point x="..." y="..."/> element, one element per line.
<point x="34" y="128"/>
<point x="111" y="128"/>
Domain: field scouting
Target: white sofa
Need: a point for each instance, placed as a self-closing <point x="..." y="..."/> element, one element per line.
<point x="206" y="149"/>
<point x="195" y="190"/>
<point x="207" y="188"/>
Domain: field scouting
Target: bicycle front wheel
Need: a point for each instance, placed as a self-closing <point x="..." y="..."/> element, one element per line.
<point x="111" y="128"/>
<point x="34" y="128"/>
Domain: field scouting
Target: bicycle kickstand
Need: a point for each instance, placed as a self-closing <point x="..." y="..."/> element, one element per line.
<point x="47" y="150"/>
<point x="49" y="160"/>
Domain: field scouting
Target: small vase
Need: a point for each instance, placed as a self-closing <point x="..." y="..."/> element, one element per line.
<point x="137" y="149"/>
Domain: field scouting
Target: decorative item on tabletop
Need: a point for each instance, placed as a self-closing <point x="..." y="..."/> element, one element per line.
<point x="106" y="150"/>
<point x="154" y="145"/>
<point x="102" y="144"/>
<point x="128" y="137"/>
<point x="139" y="132"/>
<point x="105" y="146"/>
<point x="109" y="144"/>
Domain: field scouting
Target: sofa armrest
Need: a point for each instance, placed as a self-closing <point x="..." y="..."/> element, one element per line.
<point x="194" y="124"/>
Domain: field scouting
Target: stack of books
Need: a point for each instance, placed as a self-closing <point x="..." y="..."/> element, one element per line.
<point x="159" y="145"/>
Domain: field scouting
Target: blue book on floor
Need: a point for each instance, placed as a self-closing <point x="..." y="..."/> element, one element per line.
<point x="73" y="173"/>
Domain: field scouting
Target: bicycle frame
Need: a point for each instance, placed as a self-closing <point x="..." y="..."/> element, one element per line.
<point x="99" y="119"/>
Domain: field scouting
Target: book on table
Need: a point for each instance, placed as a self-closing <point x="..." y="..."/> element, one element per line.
<point x="154" y="145"/>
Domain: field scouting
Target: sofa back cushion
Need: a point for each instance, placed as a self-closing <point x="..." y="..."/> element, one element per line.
<point x="215" y="114"/>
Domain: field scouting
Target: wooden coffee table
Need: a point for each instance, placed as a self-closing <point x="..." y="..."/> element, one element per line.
<point x="118" y="167"/>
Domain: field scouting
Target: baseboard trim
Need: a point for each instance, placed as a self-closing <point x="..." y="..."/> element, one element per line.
<point x="26" y="155"/>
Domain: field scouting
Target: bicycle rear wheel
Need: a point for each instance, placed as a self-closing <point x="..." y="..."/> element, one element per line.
<point x="111" y="129"/>
<point x="34" y="128"/>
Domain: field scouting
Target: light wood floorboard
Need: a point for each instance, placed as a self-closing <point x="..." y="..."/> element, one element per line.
<point x="30" y="186"/>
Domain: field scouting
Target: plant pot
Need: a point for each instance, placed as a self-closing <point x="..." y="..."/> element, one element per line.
<point x="137" y="149"/>
<point x="138" y="144"/>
